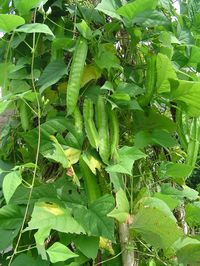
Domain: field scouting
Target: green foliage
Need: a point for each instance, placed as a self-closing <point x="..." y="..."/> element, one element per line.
<point x="103" y="132"/>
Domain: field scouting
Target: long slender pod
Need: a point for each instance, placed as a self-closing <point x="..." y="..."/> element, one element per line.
<point x="90" y="182"/>
<point x="23" y="112"/>
<point x="76" y="73"/>
<point x="114" y="133"/>
<point x="193" y="146"/>
<point x="90" y="128"/>
<point x="103" y="129"/>
<point x="150" y="83"/>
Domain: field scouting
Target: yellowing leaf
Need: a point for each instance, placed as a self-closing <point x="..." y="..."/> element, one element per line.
<point x="72" y="155"/>
<point x="92" y="162"/>
<point x="90" y="72"/>
<point x="106" y="244"/>
<point x="53" y="208"/>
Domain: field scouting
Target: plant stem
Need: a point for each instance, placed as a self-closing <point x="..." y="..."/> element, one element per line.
<point x="128" y="256"/>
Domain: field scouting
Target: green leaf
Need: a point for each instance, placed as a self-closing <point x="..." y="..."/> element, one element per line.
<point x="131" y="10"/>
<point x="192" y="212"/>
<point x="59" y="252"/>
<point x="24" y="259"/>
<point x="84" y="29"/>
<point x="95" y="220"/>
<point x="10" y="183"/>
<point x="55" y="217"/>
<point x="163" y="138"/>
<point x="11" y="217"/>
<point x="24" y="6"/>
<point x="57" y="153"/>
<point x="109" y="8"/>
<point x="10" y="22"/>
<point x="177" y="171"/>
<point x="194" y="54"/>
<point x="168" y="199"/>
<point x="4" y="104"/>
<point x="121" y="211"/>
<point x="35" y="28"/>
<point x="88" y="245"/>
<point x="156" y="224"/>
<point x="165" y="72"/>
<point x="151" y="18"/>
<point x="106" y="57"/>
<point x="53" y="72"/>
<point x="126" y="157"/>
<point x="189" y="254"/>
<point x="184" y="192"/>
<point x="7" y="237"/>
<point x="188" y="93"/>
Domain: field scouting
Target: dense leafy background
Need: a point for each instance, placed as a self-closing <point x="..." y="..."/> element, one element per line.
<point x="122" y="152"/>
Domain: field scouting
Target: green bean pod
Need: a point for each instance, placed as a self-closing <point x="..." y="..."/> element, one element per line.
<point x="150" y="83"/>
<point x="23" y="112"/>
<point x="193" y="145"/>
<point x="78" y="120"/>
<point x="102" y="122"/>
<point x="90" y="128"/>
<point x="90" y="182"/>
<point x="76" y="73"/>
<point x="114" y="133"/>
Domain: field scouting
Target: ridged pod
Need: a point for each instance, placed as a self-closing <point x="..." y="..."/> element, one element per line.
<point x="90" y="182"/>
<point x="76" y="73"/>
<point x="114" y="133"/>
<point x="90" y="128"/>
<point x="103" y="130"/>
<point x="150" y="83"/>
<point x="23" y="112"/>
<point x="78" y="120"/>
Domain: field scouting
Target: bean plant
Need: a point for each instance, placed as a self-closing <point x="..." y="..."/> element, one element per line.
<point x="99" y="159"/>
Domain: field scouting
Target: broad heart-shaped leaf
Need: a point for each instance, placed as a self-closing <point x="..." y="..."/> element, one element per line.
<point x="10" y="22"/>
<point x="126" y="157"/>
<point x="10" y="183"/>
<point x="35" y="28"/>
<point x="156" y="223"/>
<point x="121" y="211"/>
<point x="53" y="72"/>
<point x="88" y="245"/>
<point x="109" y="8"/>
<point x="95" y="220"/>
<point x="193" y="214"/>
<point x="187" y="92"/>
<point x="168" y="199"/>
<point x="151" y="18"/>
<point x="165" y="72"/>
<point x="24" y="259"/>
<point x="51" y="127"/>
<point x="59" y="252"/>
<point x="24" y="6"/>
<point x="177" y="171"/>
<point x="7" y="237"/>
<point x="189" y="255"/>
<point x="185" y="192"/>
<point x="163" y="138"/>
<point x="55" y="217"/>
<point x="194" y="54"/>
<point x="11" y="217"/>
<point x="131" y="10"/>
